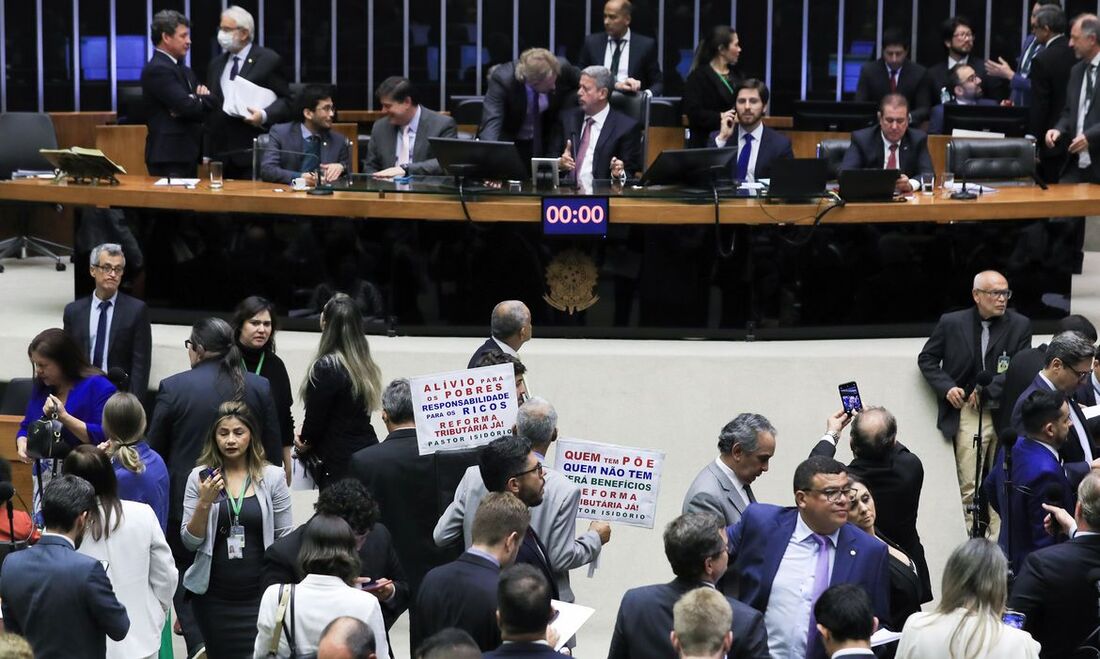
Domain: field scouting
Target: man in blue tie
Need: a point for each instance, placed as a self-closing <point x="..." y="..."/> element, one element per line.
<point x="758" y="146"/>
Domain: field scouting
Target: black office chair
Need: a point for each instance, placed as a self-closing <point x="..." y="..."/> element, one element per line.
<point x="466" y="111"/>
<point x="22" y="134"/>
<point x="16" y="396"/>
<point x="635" y="106"/>
<point x="131" y="105"/>
<point x="991" y="158"/>
<point x="832" y="152"/>
<point x="260" y="143"/>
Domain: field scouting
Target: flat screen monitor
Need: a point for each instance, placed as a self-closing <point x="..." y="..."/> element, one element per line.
<point x="1011" y="121"/>
<point x="844" y="116"/>
<point x="688" y="166"/>
<point x="480" y="159"/>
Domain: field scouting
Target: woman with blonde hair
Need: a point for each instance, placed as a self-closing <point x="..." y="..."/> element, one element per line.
<point x="141" y="473"/>
<point x="342" y="388"/>
<point x="967" y="622"/>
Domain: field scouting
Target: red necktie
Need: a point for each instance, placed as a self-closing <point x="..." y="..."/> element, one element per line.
<point x="892" y="161"/>
<point x="893" y="81"/>
<point x="582" y="148"/>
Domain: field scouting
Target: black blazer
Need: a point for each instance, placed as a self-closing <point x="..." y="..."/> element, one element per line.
<point x="620" y="137"/>
<point x="130" y="341"/>
<point x="993" y="88"/>
<point x="866" y="152"/>
<point x="410" y="513"/>
<point x="645" y="619"/>
<point x="505" y="106"/>
<point x="1067" y="123"/>
<point x="1049" y="78"/>
<point x="773" y="146"/>
<point x="377" y="558"/>
<point x="1071" y="451"/>
<point x="1021" y="371"/>
<point x="225" y="134"/>
<point x="485" y="348"/>
<point x="643" y="65"/>
<point x="174" y="113"/>
<point x="950" y="357"/>
<point x="874" y="83"/>
<point x="460" y="594"/>
<point x="705" y="98"/>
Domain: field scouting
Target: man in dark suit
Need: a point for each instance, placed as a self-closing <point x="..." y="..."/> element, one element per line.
<point x="695" y="544"/>
<point x="1029" y="361"/>
<point x="958" y="39"/>
<point x="758" y="147"/>
<point x="779" y="554"/>
<point x="524" y="101"/>
<point x="724" y="487"/>
<point x="61" y="601"/>
<point x="846" y="621"/>
<point x="509" y="328"/>
<point x="351" y="502"/>
<point x="463" y="593"/>
<point x="299" y="148"/>
<point x="599" y="142"/>
<point x="1019" y="80"/>
<point x="1088" y="392"/>
<point x="894" y="73"/>
<point x="893" y="475"/>
<point x="175" y="103"/>
<point x="399" y="143"/>
<point x="1049" y="78"/>
<point x="963" y="344"/>
<point x="1079" y="125"/>
<point x="1056" y="589"/>
<point x="630" y="57"/>
<point x="891" y="145"/>
<point x="965" y="87"/>
<point x="115" y="334"/>
<point x="229" y="137"/>
<point x="524" y="613"/>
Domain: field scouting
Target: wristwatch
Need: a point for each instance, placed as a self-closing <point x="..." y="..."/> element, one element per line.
<point x="832" y="434"/>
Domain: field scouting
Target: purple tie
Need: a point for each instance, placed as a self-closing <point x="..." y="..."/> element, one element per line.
<point x="821" y="582"/>
<point x="582" y="148"/>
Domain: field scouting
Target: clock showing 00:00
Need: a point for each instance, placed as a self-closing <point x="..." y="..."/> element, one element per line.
<point x="582" y="214"/>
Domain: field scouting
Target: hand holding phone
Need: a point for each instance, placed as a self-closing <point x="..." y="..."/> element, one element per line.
<point x="849" y="397"/>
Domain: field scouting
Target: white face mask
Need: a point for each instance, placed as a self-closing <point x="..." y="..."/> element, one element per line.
<point x="227" y="41"/>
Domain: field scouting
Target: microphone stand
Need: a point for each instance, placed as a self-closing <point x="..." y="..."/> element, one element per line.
<point x="964" y="194"/>
<point x="976" y="503"/>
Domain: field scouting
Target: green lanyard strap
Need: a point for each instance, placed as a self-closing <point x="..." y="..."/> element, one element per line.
<point x="235" y="505"/>
<point x="724" y="82"/>
<point x="260" y="365"/>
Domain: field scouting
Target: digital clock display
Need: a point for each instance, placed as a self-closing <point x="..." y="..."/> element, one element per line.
<point x="571" y="216"/>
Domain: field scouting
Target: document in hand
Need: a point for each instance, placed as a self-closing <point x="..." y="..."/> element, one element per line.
<point x="241" y="94"/>
<point x="568" y="619"/>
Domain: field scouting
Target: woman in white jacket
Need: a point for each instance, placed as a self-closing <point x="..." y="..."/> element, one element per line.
<point x="126" y="537"/>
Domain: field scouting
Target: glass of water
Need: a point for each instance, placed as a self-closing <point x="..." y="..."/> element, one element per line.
<point x="947" y="183"/>
<point x="927" y="183"/>
<point x="216" y="180"/>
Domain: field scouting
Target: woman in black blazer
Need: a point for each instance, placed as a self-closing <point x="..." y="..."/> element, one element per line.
<point x="711" y="87"/>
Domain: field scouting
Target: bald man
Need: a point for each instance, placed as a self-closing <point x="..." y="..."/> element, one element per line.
<point x="346" y="638"/>
<point x="631" y="57"/>
<point x="509" y="328"/>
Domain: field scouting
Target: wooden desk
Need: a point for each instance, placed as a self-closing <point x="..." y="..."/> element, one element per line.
<point x="1009" y="203"/>
<point x="78" y="128"/>
<point x="21" y="473"/>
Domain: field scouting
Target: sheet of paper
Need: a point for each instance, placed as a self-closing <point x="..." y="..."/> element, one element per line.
<point x="241" y="94"/>
<point x="882" y="636"/>
<point x="568" y="620"/>
<point x="189" y="182"/>
<point x="751" y="185"/>
<point x="1091" y="412"/>
<point x="962" y="132"/>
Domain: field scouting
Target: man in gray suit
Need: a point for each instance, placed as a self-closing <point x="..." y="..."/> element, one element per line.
<point x="555" y="520"/>
<point x="399" y="142"/>
<point x="724" y="487"/>
<point x="1080" y="122"/>
<point x="301" y="148"/>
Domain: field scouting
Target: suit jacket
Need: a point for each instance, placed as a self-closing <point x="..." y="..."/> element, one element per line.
<point x="174" y="113"/>
<point x="485" y="348"/>
<point x="992" y="87"/>
<point x="224" y="133"/>
<point x="410" y="513"/>
<point x="643" y="65"/>
<point x="1021" y="372"/>
<point x="1049" y="80"/>
<point x="620" y="137"/>
<point x="49" y="580"/>
<point x="950" y="357"/>
<point x="866" y="152"/>
<point x="712" y="492"/>
<point x="645" y="619"/>
<point x="377" y="558"/>
<point x="1086" y="394"/>
<point x="523" y="650"/>
<point x="130" y="342"/>
<point x="284" y="167"/>
<point x="1054" y="592"/>
<point x="935" y="120"/>
<point x="1067" y="123"/>
<point x="1037" y="478"/>
<point x="1071" y="451"/>
<point x="505" y="106"/>
<point x="460" y="594"/>
<point x="757" y="544"/>
<point x="874" y="83"/>
<point x="773" y="146"/>
<point x="382" y="151"/>
<point x="1020" y="83"/>
<point x="705" y="98"/>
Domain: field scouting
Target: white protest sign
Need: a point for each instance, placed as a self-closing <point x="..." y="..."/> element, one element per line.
<point x="463" y="409"/>
<point x="618" y="483"/>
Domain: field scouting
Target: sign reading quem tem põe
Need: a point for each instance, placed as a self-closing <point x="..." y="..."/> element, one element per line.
<point x="618" y="484"/>
<point x="463" y="409"/>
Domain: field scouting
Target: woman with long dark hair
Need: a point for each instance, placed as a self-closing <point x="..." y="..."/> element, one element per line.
<point x="342" y="388"/>
<point x="711" y="87"/>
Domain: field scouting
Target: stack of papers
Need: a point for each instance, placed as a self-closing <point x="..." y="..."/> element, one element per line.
<point x="185" y="182"/>
<point x="241" y="94"/>
<point x="568" y="619"/>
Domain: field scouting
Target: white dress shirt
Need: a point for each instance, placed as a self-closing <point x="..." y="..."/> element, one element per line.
<point x="737" y="484"/>
<point x="504" y="347"/>
<point x="584" y="176"/>
<point x="756" y="133"/>
<point x="787" y="618"/>
<point x="624" y="56"/>
<point x="1082" y="434"/>
<point x="952" y="62"/>
<point x="1083" y="158"/>
<point x="1095" y="386"/>
<point x="913" y="184"/>
<point x="93" y="325"/>
<point x="411" y="128"/>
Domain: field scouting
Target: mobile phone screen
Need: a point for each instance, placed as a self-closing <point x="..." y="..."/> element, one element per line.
<point x="1014" y="619"/>
<point x="849" y="397"/>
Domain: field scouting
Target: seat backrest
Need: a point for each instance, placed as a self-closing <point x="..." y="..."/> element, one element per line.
<point x="466" y="111"/>
<point x="635" y="106"/>
<point x="16" y="396"/>
<point x="665" y="111"/>
<point x="991" y="158"/>
<point x="131" y="104"/>
<point x="832" y="152"/>
<point x="22" y="134"/>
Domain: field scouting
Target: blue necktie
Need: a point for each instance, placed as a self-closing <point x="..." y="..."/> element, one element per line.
<point x="101" y="335"/>
<point x="743" y="159"/>
<point x="236" y="68"/>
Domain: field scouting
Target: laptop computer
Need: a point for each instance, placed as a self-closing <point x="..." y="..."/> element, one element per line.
<point x="868" y="184"/>
<point x="798" y="179"/>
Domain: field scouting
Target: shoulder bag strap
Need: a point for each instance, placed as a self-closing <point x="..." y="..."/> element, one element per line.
<point x="288" y="630"/>
<point x="280" y="613"/>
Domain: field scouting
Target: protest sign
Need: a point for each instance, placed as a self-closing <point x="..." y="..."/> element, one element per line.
<point x="618" y="483"/>
<point x="463" y="409"/>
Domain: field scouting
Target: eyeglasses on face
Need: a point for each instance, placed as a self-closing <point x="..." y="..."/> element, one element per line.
<point x="537" y="469"/>
<point x="835" y="494"/>
<point x="111" y="270"/>
<point x="1006" y="294"/>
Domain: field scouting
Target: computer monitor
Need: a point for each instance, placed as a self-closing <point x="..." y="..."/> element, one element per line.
<point x="688" y="166"/>
<point x="845" y="116"/>
<point x="479" y="159"/>
<point x="1009" y="120"/>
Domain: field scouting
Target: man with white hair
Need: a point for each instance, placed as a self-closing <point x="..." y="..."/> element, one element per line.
<point x="229" y="135"/>
<point x="509" y="328"/>
<point x="596" y="141"/>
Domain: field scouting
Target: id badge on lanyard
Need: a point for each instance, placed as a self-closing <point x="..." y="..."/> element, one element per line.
<point x="235" y="542"/>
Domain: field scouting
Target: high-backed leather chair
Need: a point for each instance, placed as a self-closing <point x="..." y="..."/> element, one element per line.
<point x="991" y="158"/>
<point x="832" y="152"/>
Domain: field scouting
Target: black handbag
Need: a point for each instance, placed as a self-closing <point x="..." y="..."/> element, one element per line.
<point x="44" y="439"/>
<point x="314" y="466"/>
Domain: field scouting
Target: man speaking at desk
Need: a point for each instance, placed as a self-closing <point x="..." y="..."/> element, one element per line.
<point x="399" y="142"/>
<point x="298" y="146"/>
<point x="891" y="145"/>
<point x="599" y="142"/>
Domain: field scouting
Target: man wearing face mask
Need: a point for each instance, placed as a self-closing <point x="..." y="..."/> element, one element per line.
<point x="52" y="579"/>
<point x="228" y="136"/>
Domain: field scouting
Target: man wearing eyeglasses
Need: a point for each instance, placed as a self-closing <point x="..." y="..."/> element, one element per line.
<point x="965" y="86"/>
<point x="983" y="338"/>
<point x="112" y="328"/>
<point x="779" y="555"/>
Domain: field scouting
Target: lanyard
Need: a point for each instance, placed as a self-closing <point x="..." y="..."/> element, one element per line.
<point x="259" y="366"/>
<point x="235" y="505"/>
<point x="725" y="82"/>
